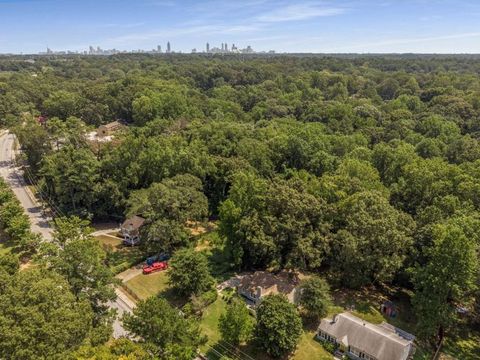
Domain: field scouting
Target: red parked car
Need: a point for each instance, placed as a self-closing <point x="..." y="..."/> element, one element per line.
<point x="156" y="266"/>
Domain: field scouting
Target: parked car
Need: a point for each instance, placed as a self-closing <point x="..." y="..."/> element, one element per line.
<point x="156" y="266"/>
<point x="157" y="258"/>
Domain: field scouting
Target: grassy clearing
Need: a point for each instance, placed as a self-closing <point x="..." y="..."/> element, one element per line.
<point x="144" y="286"/>
<point x="217" y="254"/>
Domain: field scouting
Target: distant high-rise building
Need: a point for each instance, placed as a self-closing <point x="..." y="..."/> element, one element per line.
<point x="159" y="49"/>
<point x="208" y="47"/>
<point x="226" y="47"/>
<point x="169" y="49"/>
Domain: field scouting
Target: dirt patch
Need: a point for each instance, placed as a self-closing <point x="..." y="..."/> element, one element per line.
<point x="196" y="228"/>
<point x="26" y="265"/>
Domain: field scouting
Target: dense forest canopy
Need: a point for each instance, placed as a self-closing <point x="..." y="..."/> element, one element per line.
<point x="365" y="167"/>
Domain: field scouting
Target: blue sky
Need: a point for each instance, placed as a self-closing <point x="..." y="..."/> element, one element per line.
<point x="426" y="26"/>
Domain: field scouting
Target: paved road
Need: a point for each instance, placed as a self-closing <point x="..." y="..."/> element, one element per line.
<point x="123" y="304"/>
<point x="8" y="170"/>
<point x="39" y="223"/>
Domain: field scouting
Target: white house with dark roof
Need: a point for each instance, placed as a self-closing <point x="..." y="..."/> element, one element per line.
<point x="130" y="230"/>
<point x="359" y="339"/>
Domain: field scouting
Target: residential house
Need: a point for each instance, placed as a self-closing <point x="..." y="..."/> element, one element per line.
<point x="359" y="339"/>
<point x="109" y="129"/>
<point x="130" y="230"/>
<point x="261" y="283"/>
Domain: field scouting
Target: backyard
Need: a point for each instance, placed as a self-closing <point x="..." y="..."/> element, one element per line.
<point x="308" y="347"/>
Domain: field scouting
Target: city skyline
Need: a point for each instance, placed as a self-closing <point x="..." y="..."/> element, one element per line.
<point x="97" y="50"/>
<point x="360" y="26"/>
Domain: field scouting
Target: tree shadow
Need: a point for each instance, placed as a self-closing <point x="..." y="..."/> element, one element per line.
<point x="173" y="298"/>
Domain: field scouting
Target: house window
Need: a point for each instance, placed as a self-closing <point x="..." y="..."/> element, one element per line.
<point x="360" y="354"/>
<point x="325" y="336"/>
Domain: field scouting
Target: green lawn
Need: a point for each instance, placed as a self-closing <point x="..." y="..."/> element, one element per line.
<point x="109" y="241"/>
<point x="145" y="286"/>
<point x="209" y="322"/>
<point x="309" y="348"/>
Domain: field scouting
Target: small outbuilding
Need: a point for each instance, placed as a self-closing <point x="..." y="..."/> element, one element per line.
<point x="389" y="309"/>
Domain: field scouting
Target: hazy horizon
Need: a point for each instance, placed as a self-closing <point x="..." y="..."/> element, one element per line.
<point x="355" y="26"/>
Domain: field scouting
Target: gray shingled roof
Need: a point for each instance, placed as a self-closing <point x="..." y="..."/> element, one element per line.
<point x="380" y="341"/>
<point x="285" y="282"/>
<point x="133" y="223"/>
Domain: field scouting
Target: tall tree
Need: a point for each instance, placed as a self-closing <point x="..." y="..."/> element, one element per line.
<point x="168" y="206"/>
<point x="276" y="222"/>
<point x="279" y="326"/>
<point x="164" y="330"/>
<point x="315" y="297"/>
<point x="447" y="280"/>
<point x="236" y="324"/>
<point x="79" y="258"/>
<point x="40" y="318"/>
<point x="189" y="273"/>
<point x="372" y="239"/>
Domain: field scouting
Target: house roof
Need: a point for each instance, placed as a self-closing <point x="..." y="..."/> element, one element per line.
<point x="283" y="283"/>
<point x="380" y="341"/>
<point x="133" y="223"/>
<point x="113" y="124"/>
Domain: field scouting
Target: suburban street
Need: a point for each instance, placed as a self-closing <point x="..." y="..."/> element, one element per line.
<point x="11" y="174"/>
<point x="41" y="224"/>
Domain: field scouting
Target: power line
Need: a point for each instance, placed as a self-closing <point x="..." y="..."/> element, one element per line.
<point x="44" y="197"/>
<point x="237" y="349"/>
<point x="215" y="351"/>
<point x="235" y="355"/>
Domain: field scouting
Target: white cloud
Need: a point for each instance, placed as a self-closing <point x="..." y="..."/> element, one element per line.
<point x="199" y="30"/>
<point x="300" y="12"/>
<point x="407" y="41"/>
